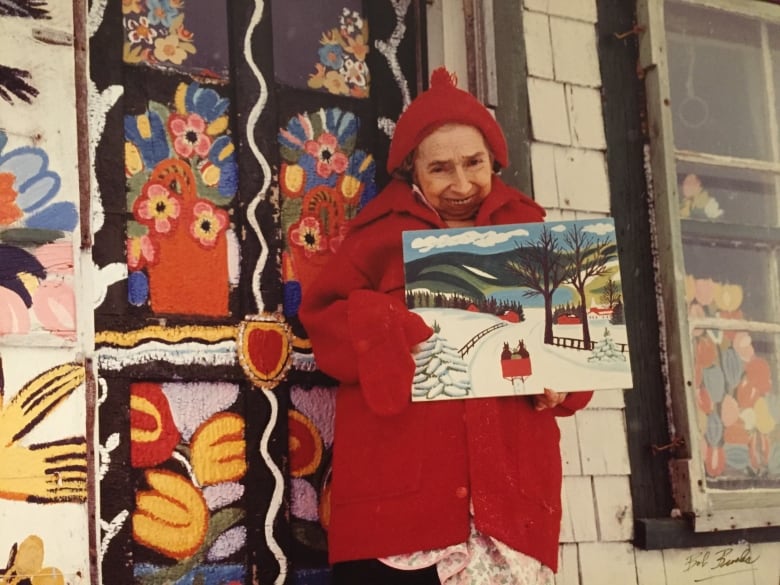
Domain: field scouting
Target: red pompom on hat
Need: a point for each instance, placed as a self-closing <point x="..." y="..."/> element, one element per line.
<point x="443" y="103"/>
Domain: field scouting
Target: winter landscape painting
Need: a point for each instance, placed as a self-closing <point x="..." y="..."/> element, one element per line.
<point x="517" y="308"/>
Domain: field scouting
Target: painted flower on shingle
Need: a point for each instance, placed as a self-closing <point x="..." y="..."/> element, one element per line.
<point x="157" y="208"/>
<point x="28" y="186"/>
<point x="219" y="449"/>
<point x="325" y="151"/>
<point x="223" y="158"/>
<point x="153" y="432"/>
<point x="189" y="135"/>
<point x="355" y="72"/>
<point x="350" y="22"/>
<point x="307" y="233"/>
<point x="161" y="12"/>
<point x="331" y="55"/>
<point x="140" y="252"/>
<point x="208" y="223"/>
<point x="140" y="31"/>
<point x="147" y="133"/>
<point x="205" y="102"/>
<point x="170" y="48"/>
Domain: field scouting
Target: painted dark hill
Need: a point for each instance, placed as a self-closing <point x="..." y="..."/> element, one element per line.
<point x="446" y="272"/>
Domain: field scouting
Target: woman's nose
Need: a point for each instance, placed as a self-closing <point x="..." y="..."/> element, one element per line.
<point x="460" y="180"/>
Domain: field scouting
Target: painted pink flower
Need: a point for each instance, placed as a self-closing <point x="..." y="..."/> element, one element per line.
<point x="189" y="135"/>
<point x="54" y="305"/>
<point x="13" y="313"/>
<point x="307" y="233"/>
<point x="691" y="186"/>
<point x="157" y="208"/>
<point x="325" y="151"/>
<point x="140" y="251"/>
<point x="743" y="345"/>
<point x="208" y="222"/>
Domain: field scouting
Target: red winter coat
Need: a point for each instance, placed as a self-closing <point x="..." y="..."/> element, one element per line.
<point x="403" y="472"/>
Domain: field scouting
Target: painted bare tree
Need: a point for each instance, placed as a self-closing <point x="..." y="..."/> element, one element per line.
<point x="541" y="267"/>
<point x="589" y="257"/>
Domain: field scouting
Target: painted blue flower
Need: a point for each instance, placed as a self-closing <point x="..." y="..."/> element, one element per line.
<point x="147" y="132"/>
<point x="222" y="155"/>
<point x="204" y="101"/>
<point x="161" y="12"/>
<point x="35" y="186"/>
<point x="331" y="55"/>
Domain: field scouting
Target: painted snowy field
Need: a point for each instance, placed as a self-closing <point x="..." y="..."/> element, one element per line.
<point x="561" y="369"/>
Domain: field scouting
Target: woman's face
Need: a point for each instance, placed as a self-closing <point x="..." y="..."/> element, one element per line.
<point x="454" y="169"/>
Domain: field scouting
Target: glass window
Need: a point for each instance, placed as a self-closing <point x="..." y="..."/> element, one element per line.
<point x="713" y="99"/>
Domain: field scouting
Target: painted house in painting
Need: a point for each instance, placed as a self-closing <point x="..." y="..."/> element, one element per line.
<point x="173" y="174"/>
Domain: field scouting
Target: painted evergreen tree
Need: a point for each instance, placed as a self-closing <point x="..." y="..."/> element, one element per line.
<point x="606" y="350"/>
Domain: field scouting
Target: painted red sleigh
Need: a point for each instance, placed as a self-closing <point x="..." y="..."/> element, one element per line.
<point x="517" y="367"/>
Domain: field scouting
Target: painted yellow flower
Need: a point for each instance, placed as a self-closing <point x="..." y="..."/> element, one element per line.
<point x="172" y="517"/>
<point x="218" y="449"/>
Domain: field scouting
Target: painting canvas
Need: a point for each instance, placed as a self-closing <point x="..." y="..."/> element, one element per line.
<point x="516" y="309"/>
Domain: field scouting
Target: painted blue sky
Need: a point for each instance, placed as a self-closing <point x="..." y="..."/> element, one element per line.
<point x="492" y="239"/>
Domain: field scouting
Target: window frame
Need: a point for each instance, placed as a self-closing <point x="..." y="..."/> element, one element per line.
<point x="708" y="509"/>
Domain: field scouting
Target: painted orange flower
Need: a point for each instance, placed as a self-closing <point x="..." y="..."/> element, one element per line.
<point x="9" y="210"/>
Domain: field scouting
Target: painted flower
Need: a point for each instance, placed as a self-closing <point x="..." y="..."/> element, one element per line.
<point x="331" y="55"/>
<point x="205" y="102"/>
<point x="140" y="251"/>
<point x="335" y="83"/>
<point x="292" y="178"/>
<point x="161" y="12"/>
<point x="157" y="208"/>
<point x="325" y="151"/>
<point x="54" y="305"/>
<point x="208" y="222"/>
<point x="357" y="47"/>
<point x="355" y="72"/>
<point x="153" y="432"/>
<point x="171" y="517"/>
<point x="189" y="135"/>
<point x="131" y="6"/>
<point x="9" y="210"/>
<point x="218" y="449"/>
<point x="305" y="444"/>
<point x="147" y="133"/>
<point x="140" y="31"/>
<point x="171" y="48"/>
<point x="222" y="156"/>
<point x="307" y="233"/>
<point x="26" y="179"/>
<point x="350" y="22"/>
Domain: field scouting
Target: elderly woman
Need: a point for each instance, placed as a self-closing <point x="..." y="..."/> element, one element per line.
<point x="457" y="491"/>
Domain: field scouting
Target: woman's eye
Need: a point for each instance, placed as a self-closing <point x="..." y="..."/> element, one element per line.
<point x="475" y="162"/>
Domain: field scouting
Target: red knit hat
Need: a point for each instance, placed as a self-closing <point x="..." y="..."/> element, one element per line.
<point x="443" y="103"/>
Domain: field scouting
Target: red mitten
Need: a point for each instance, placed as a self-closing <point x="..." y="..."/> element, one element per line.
<point x="378" y="327"/>
<point x="416" y="330"/>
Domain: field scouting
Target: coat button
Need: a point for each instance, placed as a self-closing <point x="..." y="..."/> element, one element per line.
<point x="461" y="492"/>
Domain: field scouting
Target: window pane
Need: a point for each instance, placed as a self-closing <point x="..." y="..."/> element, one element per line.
<point x="738" y="408"/>
<point x="718" y="85"/>
<point x="730" y="282"/>
<point x="729" y="195"/>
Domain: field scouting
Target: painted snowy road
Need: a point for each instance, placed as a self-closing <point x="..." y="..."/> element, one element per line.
<point x="562" y="369"/>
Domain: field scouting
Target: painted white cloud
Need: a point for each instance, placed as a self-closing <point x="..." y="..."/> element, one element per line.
<point x="599" y="228"/>
<point x="559" y="228"/>
<point x="486" y="239"/>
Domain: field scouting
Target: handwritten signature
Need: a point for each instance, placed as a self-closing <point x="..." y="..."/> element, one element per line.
<point x="720" y="560"/>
